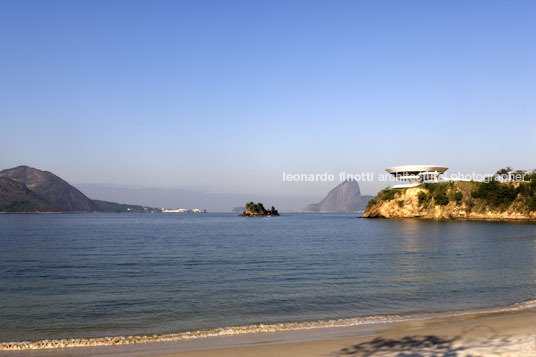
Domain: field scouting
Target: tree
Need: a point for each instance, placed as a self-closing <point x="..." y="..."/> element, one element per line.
<point x="520" y="174"/>
<point x="423" y="198"/>
<point x="504" y="171"/>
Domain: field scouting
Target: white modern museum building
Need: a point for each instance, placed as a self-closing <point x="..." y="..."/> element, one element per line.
<point x="414" y="175"/>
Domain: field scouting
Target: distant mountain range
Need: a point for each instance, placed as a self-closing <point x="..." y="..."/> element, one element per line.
<point x="210" y="200"/>
<point x="26" y="189"/>
<point x="346" y="197"/>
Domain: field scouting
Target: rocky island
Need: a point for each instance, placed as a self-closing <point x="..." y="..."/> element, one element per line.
<point x="257" y="209"/>
<point x="493" y="200"/>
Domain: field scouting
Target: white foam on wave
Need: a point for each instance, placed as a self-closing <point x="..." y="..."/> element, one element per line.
<point x="257" y="328"/>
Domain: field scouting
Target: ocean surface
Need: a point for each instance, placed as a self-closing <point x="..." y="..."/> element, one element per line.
<point x="94" y="275"/>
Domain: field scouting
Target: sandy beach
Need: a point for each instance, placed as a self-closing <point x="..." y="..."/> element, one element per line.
<point x="496" y="334"/>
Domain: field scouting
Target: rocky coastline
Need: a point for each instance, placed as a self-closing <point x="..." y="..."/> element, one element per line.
<point x="456" y="200"/>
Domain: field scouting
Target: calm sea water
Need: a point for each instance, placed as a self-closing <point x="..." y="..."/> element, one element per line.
<point x="89" y="275"/>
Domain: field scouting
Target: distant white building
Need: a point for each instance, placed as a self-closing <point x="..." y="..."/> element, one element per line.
<point x="416" y="174"/>
<point x="184" y="210"/>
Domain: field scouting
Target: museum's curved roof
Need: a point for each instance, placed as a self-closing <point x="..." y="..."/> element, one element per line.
<point x="416" y="168"/>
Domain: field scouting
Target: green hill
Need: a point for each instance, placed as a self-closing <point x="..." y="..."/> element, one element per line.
<point x="51" y="188"/>
<point x="26" y="189"/>
<point x="16" y="197"/>
<point x="112" y="207"/>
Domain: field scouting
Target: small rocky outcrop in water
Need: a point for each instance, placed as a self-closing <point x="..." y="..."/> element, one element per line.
<point x="257" y="209"/>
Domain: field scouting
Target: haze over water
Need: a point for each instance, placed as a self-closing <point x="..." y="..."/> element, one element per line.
<point x="89" y="275"/>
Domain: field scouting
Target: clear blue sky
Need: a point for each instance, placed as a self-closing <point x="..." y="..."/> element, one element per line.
<point x="226" y="95"/>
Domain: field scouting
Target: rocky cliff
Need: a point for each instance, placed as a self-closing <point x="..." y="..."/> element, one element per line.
<point x="458" y="200"/>
<point x="346" y="197"/>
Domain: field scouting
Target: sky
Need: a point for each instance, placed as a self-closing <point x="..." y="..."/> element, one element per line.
<point x="222" y="97"/>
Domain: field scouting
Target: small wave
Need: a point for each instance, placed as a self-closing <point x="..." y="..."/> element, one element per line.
<point x="257" y="328"/>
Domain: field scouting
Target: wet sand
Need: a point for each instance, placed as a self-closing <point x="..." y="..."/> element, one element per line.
<point x="496" y="334"/>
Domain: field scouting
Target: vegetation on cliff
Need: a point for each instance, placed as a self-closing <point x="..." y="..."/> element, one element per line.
<point x="494" y="199"/>
<point x="500" y="195"/>
<point x="257" y="209"/>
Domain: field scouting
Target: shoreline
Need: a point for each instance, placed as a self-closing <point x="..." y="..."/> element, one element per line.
<point x="359" y="323"/>
<point x="457" y="219"/>
<point x="501" y="333"/>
